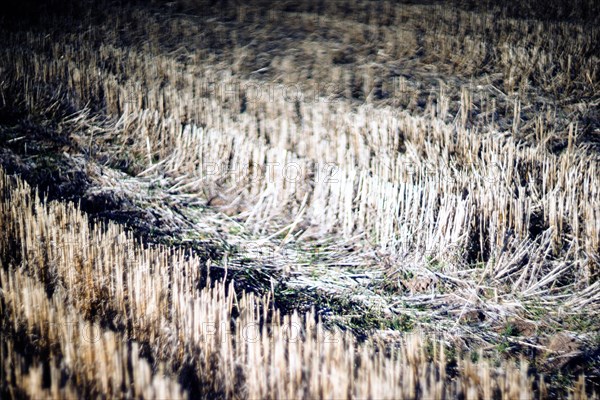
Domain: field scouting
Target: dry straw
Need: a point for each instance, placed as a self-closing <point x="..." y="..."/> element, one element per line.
<point x="464" y="173"/>
<point x="88" y="297"/>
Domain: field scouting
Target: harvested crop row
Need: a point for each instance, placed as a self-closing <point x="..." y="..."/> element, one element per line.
<point x="69" y="273"/>
<point x="398" y="167"/>
<point x="403" y="183"/>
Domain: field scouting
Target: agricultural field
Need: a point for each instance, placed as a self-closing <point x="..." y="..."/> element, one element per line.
<point x="320" y="199"/>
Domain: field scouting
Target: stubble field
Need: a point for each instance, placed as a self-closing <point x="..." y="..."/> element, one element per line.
<point x="326" y="200"/>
